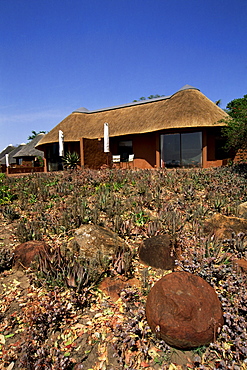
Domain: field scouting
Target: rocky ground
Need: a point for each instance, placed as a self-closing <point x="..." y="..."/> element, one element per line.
<point x="87" y="334"/>
<point x="45" y="325"/>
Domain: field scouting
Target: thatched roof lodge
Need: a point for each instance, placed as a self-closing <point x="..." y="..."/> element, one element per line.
<point x="182" y="129"/>
<point x="29" y="151"/>
<point x="11" y="153"/>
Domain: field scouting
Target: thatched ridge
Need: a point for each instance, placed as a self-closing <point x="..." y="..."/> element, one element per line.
<point x="5" y="151"/>
<point x="29" y="150"/>
<point x="12" y="160"/>
<point x="186" y="108"/>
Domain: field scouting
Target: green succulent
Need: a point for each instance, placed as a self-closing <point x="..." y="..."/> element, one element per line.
<point x="71" y="160"/>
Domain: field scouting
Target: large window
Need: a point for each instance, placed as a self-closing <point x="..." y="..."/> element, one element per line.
<point x="181" y="149"/>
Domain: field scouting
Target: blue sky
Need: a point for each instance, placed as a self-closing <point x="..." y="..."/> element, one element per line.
<point x="60" y="55"/>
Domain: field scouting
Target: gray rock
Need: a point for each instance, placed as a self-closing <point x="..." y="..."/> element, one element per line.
<point x="90" y="240"/>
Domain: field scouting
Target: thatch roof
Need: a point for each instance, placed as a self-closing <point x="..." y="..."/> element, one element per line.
<point x="186" y="108"/>
<point x="12" y="159"/>
<point x="5" y="151"/>
<point x="29" y="150"/>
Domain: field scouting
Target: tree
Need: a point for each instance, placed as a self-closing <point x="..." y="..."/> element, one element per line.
<point x="34" y="134"/>
<point x="236" y="130"/>
<point x="149" y="97"/>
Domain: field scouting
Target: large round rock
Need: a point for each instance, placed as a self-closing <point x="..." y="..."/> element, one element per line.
<point x="184" y="310"/>
<point x="157" y="252"/>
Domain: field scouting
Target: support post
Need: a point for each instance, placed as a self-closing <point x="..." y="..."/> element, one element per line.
<point x="204" y="149"/>
<point x="82" y="152"/>
<point x="157" y="150"/>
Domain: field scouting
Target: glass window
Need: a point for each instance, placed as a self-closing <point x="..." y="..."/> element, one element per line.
<point x="181" y="149"/>
<point x="170" y="150"/>
<point x="191" y="149"/>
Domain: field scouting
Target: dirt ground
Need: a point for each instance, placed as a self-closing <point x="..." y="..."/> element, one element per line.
<point x="7" y="237"/>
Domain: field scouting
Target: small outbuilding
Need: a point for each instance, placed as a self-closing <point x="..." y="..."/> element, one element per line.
<point x="29" y="155"/>
<point x="10" y="150"/>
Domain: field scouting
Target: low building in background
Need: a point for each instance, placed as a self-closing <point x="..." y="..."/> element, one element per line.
<point x="28" y="155"/>
<point x="24" y="158"/>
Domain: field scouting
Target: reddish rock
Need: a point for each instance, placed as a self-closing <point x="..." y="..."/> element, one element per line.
<point x="26" y="253"/>
<point x="113" y="287"/>
<point x="184" y="310"/>
<point x="241" y="264"/>
<point x="157" y="252"/>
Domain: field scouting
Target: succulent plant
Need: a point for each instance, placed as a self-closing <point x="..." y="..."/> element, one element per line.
<point x="71" y="160"/>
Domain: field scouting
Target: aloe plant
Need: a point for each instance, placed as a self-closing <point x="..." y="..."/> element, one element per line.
<point x="71" y="160"/>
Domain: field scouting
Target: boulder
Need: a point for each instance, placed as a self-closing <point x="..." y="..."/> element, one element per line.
<point x="223" y="226"/>
<point x="184" y="310"/>
<point x="28" y="252"/>
<point x="89" y="240"/>
<point x="242" y="210"/>
<point x="157" y="252"/>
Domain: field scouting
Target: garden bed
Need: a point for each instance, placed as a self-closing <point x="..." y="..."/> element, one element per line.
<point x="47" y="325"/>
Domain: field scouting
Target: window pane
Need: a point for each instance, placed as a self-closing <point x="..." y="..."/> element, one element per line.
<point x="191" y="149"/>
<point x="170" y="150"/>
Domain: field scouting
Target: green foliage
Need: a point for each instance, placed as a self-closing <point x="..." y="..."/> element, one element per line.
<point x="71" y="160"/>
<point x="33" y="198"/>
<point x="6" y="196"/>
<point x="40" y="161"/>
<point x="236" y="130"/>
<point x="34" y="134"/>
<point x="237" y="107"/>
<point x="149" y="97"/>
<point x="140" y="218"/>
<point x="28" y="230"/>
